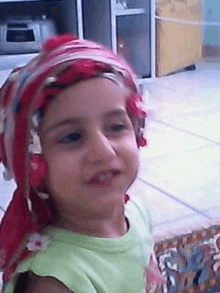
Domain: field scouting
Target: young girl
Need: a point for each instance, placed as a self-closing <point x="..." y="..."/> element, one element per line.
<point x="72" y="123"/>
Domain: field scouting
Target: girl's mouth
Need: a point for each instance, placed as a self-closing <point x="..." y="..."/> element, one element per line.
<point x="104" y="178"/>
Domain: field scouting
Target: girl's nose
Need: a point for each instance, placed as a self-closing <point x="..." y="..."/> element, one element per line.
<point x="100" y="148"/>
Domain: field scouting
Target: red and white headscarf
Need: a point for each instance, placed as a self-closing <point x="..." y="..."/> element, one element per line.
<point x="63" y="61"/>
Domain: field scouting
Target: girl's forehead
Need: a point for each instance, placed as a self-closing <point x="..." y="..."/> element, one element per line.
<point x="93" y="98"/>
<point x="97" y="86"/>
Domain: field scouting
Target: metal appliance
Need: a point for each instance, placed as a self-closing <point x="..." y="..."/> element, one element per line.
<point x="24" y="34"/>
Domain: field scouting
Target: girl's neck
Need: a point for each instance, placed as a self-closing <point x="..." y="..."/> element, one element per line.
<point x="111" y="227"/>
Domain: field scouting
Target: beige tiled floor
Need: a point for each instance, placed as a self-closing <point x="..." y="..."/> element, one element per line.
<point x="180" y="169"/>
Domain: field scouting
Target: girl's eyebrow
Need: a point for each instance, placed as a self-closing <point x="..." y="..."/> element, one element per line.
<point x="79" y="120"/>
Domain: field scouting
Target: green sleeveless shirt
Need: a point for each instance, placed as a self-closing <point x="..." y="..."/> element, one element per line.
<point x="88" y="264"/>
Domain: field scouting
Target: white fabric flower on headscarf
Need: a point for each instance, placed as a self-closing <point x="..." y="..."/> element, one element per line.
<point x="35" y="145"/>
<point x="38" y="242"/>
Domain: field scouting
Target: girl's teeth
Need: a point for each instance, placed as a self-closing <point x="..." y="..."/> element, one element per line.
<point x="103" y="177"/>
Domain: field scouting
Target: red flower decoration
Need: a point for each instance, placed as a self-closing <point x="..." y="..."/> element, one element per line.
<point x="85" y="67"/>
<point x="101" y="67"/>
<point x="135" y="106"/>
<point x="132" y="107"/>
<point x="80" y="70"/>
<point x="55" y="41"/>
<point x="38" y="170"/>
<point x="142" y="142"/>
<point x="127" y="198"/>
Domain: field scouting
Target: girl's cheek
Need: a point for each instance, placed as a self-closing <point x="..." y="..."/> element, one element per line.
<point x="49" y="147"/>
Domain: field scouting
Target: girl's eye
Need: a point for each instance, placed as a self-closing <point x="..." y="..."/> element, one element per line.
<point x="71" y="137"/>
<point x="118" y="127"/>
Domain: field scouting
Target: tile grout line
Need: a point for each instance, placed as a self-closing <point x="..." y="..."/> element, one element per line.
<point x="177" y="219"/>
<point x="171" y="221"/>
<point x="180" y="152"/>
<point x="186" y="131"/>
<point x="176" y="199"/>
<point x="2" y="209"/>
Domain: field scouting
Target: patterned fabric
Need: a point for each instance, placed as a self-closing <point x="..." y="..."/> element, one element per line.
<point x="155" y="280"/>
<point x="191" y="263"/>
<point x="63" y="61"/>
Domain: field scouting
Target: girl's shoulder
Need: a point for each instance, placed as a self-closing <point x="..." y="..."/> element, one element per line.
<point x="28" y="282"/>
<point x="45" y="268"/>
<point x="37" y="284"/>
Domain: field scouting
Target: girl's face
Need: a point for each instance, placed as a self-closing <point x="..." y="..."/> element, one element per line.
<point x="86" y="130"/>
